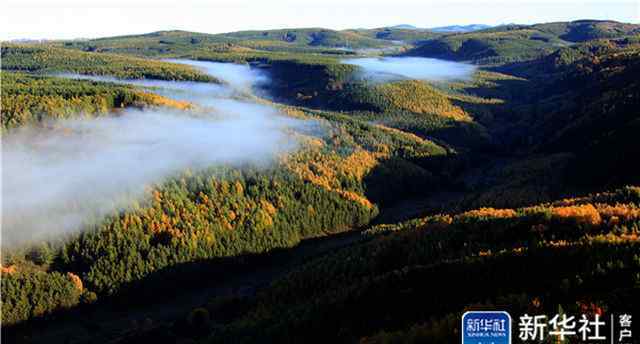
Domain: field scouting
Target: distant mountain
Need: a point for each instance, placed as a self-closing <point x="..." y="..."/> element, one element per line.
<point x="460" y="28"/>
<point x="443" y="29"/>
<point x="513" y="42"/>
<point x="586" y="29"/>
<point x="405" y="27"/>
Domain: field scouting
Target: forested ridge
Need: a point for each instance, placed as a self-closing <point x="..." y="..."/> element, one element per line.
<point x="31" y="99"/>
<point x="523" y="167"/>
<point x="585" y="248"/>
<point x="513" y="43"/>
<point x="50" y="59"/>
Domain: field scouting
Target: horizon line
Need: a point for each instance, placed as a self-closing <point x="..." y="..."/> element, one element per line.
<point x="80" y="38"/>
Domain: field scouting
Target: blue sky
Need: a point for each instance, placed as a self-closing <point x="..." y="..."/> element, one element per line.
<point x="86" y="19"/>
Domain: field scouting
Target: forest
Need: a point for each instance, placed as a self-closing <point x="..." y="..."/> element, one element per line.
<point x="397" y="194"/>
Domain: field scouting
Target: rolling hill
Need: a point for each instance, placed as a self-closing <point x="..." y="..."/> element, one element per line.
<point x="176" y="42"/>
<point x="584" y="30"/>
<point x="399" y="192"/>
<point x="44" y="58"/>
<point x="519" y="42"/>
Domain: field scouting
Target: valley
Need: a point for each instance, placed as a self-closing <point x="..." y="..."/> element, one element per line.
<point x="314" y="185"/>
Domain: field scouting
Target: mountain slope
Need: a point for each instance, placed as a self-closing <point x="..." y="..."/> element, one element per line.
<point x="41" y="58"/>
<point x="496" y="45"/>
<point x="549" y="118"/>
<point x="519" y="42"/>
<point x="409" y="282"/>
<point x="584" y="30"/>
<point x="181" y="42"/>
<point x="32" y="99"/>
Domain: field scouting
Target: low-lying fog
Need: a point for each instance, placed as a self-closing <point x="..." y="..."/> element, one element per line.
<point x="384" y="69"/>
<point x="239" y="80"/>
<point x="56" y="178"/>
<point x="239" y="77"/>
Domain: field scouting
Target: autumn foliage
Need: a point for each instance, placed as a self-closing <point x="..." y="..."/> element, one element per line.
<point x="580" y="214"/>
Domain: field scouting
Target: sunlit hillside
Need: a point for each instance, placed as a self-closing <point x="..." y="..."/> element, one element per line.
<point x="311" y="185"/>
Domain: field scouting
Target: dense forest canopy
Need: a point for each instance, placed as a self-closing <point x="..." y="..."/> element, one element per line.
<point x="48" y="59"/>
<point x="397" y="192"/>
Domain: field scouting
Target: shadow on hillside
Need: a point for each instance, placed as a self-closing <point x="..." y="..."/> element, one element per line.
<point x="394" y="179"/>
<point x="171" y="293"/>
<point x="408" y="189"/>
<point x="522" y="69"/>
<point x="504" y="121"/>
<point x="508" y="90"/>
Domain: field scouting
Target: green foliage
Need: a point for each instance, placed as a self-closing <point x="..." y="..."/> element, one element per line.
<point x="354" y="133"/>
<point x="410" y="96"/>
<point x="398" y="34"/>
<point x="219" y="212"/>
<point x="513" y="43"/>
<point x="390" y="142"/>
<point x="180" y="43"/>
<point x="206" y="215"/>
<point x="503" y="44"/>
<point x="415" y="107"/>
<point x="417" y="271"/>
<point x="50" y="59"/>
<point x="31" y="294"/>
<point x="311" y="36"/>
<point x="88" y="297"/>
<point x="584" y="102"/>
<point x="41" y="254"/>
<point x="584" y="30"/>
<point x="29" y="99"/>
<point x="226" y="212"/>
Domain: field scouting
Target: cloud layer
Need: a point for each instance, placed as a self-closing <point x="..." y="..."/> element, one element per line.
<point x="59" y="177"/>
<point x="385" y="69"/>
